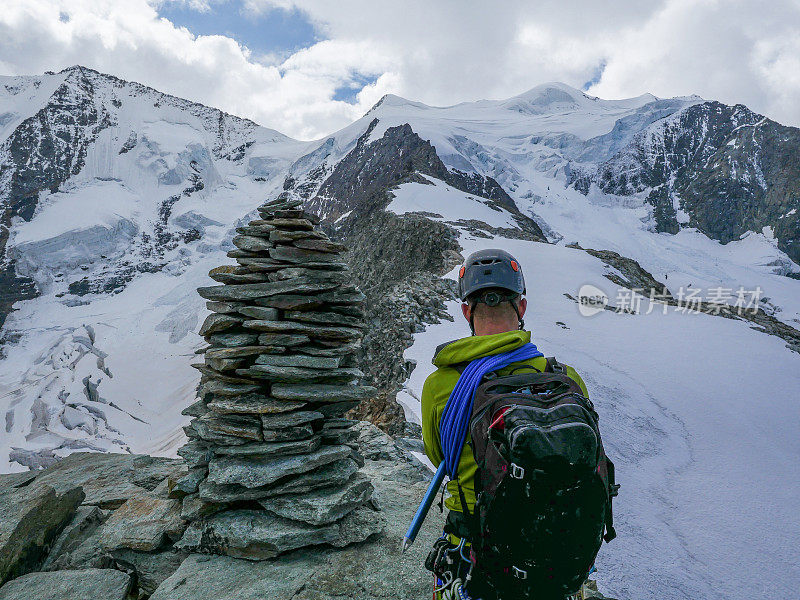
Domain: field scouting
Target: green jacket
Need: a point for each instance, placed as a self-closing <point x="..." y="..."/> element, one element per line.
<point x="441" y="382"/>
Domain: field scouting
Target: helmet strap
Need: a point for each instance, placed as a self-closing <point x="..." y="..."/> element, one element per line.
<point x="519" y="319"/>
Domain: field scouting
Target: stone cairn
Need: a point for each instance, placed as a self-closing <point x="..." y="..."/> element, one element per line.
<point x="273" y="463"/>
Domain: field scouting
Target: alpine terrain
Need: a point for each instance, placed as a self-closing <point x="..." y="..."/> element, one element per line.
<point x="116" y="200"/>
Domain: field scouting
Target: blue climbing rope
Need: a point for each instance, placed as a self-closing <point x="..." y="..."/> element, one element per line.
<point x="457" y="411"/>
<point x="454" y="422"/>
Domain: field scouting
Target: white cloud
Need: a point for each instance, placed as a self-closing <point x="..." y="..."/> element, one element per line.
<point x="435" y="52"/>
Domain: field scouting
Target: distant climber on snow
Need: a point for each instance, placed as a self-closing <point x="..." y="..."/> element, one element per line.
<point x="530" y="485"/>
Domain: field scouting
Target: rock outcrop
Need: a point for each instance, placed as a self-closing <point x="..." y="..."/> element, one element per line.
<point x="91" y="557"/>
<point x="273" y="464"/>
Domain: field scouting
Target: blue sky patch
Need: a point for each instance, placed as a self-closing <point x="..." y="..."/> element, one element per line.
<point x="596" y="75"/>
<point x="347" y="93"/>
<point x="275" y="32"/>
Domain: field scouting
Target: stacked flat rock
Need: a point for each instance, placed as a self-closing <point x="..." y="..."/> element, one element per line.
<point x="273" y="462"/>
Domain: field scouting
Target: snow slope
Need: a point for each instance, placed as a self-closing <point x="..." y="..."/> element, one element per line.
<point x="101" y="359"/>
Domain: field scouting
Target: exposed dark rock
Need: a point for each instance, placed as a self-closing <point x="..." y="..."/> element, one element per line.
<point x="78" y="545"/>
<point x="730" y="169"/>
<point x="150" y="569"/>
<point x="32" y="517"/>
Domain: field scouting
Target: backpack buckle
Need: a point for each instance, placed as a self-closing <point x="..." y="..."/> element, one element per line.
<point x="519" y="573"/>
<point x="517" y="472"/>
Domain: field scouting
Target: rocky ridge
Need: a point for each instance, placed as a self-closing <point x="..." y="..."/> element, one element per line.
<point x="103" y="526"/>
<point x="269" y="447"/>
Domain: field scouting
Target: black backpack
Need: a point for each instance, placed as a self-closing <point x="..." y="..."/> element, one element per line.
<point x="544" y="484"/>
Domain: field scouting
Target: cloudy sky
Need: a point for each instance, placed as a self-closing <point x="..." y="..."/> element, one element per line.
<point x="310" y="67"/>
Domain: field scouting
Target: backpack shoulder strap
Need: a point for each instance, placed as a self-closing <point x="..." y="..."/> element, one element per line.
<point x="553" y="366"/>
<point x="460" y="366"/>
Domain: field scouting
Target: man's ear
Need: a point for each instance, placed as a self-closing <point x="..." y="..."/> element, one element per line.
<point x="465" y="309"/>
<point x="523" y="304"/>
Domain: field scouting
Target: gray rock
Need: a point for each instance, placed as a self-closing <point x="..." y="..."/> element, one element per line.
<point x="224" y="364"/>
<point x="292" y="302"/>
<point x="253" y="404"/>
<point x="259" y="312"/>
<point x="223" y="388"/>
<point x="234" y="278"/>
<point x="205" y="432"/>
<point x="253" y="473"/>
<point x="196" y="409"/>
<point x="151" y="568"/>
<point x="320" y="245"/>
<point x="72" y="549"/>
<point x="195" y="453"/>
<point x="322" y="506"/>
<point x="292" y="224"/>
<point x="16" y="480"/>
<point x="333" y="474"/>
<point x="108" y="480"/>
<point x="223" y="307"/>
<point x="339" y="423"/>
<point x="300" y="255"/>
<point x="295" y="360"/>
<point x="325" y="317"/>
<point x="300" y="375"/>
<point x="256" y="230"/>
<point x="251" y="244"/>
<point x="341" y="296"/>
<point x="234" y="352"/>
<point x="187" y="484"/>
<point x="32" y="517"/>
<point x="339" y="436"/>
<point x="340" y="350"/>
<point x="272" y="449"/>
<point x="301" y="270"/>
<point x="87" y="584"/>
<point x="232" y="340"/>
<point x="144" y="522"/>
<point x="289" y="236"/>
<point x="241" y="426"/>
<point x="193" y="507"/>
<point x="216" y="322"/>
<point x="258" y="535"/>
<point x="282" y="339"/>
<point x="288" y="433"/>
<point x="322" y="393"/>
<point x="337" y="409"/>
<point x="251" y="291"/>
<point x="212" y="375"/>
<point x="370" y="570"/>
<point x="313" y="331"/>
<point x="203" y="577"/>
<point x="290" y="419"/>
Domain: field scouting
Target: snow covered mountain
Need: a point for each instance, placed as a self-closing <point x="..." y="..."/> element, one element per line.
<point x="116" y="200"/>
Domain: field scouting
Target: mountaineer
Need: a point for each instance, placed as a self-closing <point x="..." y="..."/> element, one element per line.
<point x="498" y="443"/>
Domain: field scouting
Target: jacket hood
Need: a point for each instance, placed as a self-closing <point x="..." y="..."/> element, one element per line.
<point x="477" y="346"/>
